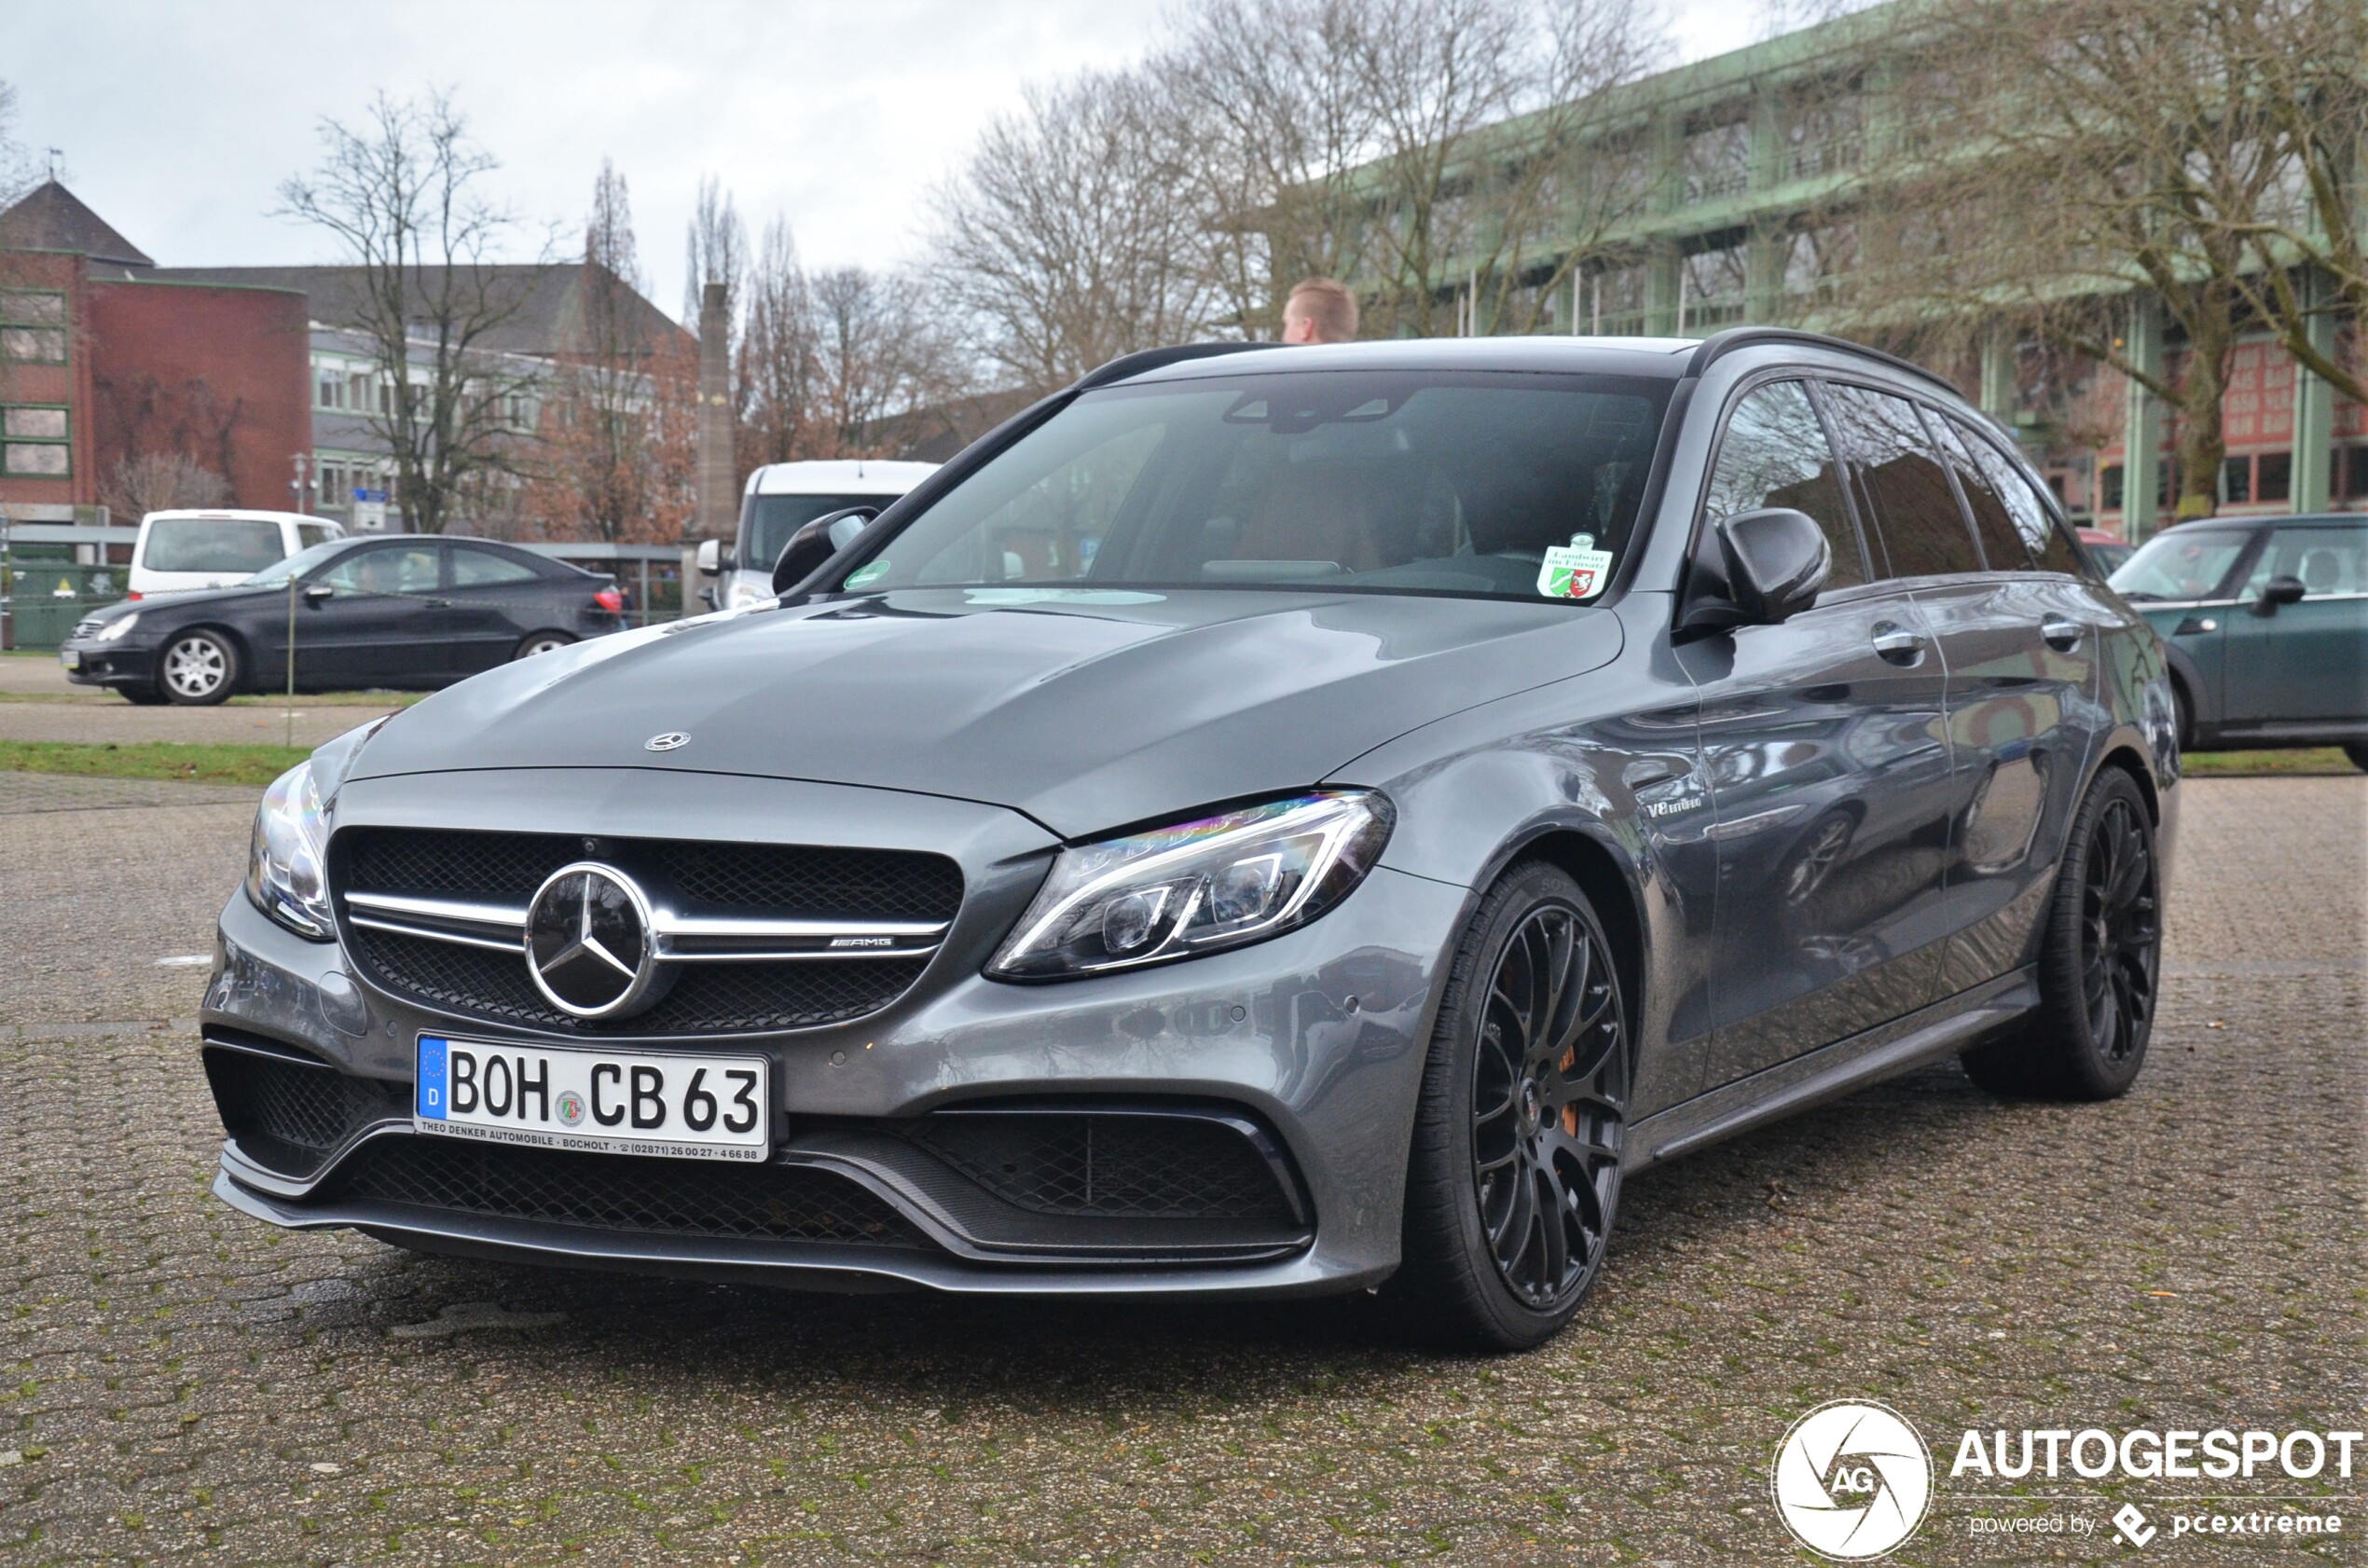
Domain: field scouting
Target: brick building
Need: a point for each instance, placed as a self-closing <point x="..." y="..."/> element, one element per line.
<point x="104" y="357"/>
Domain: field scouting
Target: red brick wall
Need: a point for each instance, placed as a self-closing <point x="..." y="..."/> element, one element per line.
<point x="220" y="373"/>
<point x="68" y="384"/>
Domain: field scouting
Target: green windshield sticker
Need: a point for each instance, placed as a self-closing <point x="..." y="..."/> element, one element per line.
<point x="870" y="572"/>
<point x="1574" y="571"/>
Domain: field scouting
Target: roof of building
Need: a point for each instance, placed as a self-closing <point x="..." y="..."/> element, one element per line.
<point x="53" y="218"/>
<point x="548" y="307"/>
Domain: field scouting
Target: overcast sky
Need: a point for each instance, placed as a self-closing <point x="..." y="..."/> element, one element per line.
<point x="177" y="122"/>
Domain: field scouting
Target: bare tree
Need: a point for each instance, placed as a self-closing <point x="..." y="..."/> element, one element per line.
<point x="603" y="459"/>
<point x="774" y="370"/>
<point x="1068" y="237"/>
<point x="404" y="194"/>
<point x="145" y="482"/>
<point x="1456" y="159"/>
<point x="715" y="250"/>
<point x="2177" y="159"/>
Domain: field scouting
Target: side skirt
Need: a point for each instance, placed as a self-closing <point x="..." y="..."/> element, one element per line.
<point x="1942" y="1029"/>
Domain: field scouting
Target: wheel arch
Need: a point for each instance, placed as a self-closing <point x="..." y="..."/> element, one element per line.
<point x="2125" y="755"/>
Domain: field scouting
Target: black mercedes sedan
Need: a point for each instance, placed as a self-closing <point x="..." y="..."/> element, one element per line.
<point x="1262" y="822"/>
<point x="393" y="610"/>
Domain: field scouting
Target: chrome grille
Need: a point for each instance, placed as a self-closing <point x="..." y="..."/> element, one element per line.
<point x="750" y="936"/>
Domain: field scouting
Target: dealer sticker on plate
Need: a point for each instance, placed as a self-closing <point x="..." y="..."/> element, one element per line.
<point x="610" y="1102"/>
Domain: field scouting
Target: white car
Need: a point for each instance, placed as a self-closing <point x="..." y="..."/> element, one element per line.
<point x="782" y="498"/>
<point x="179" y="552"/>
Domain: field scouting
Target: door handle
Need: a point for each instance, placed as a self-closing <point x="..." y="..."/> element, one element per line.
<point x="1897" y="643"/>
<point x="2062" y="635"/>
<point x="2196" y="624"/>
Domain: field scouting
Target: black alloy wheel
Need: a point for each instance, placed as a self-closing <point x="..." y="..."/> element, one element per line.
<point x="535" y="644"/>
<point x="2099" y="961"/>
<point x="1515" y="1174"/>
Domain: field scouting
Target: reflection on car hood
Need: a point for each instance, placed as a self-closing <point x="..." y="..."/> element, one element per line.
<point x="1087" y="711"/>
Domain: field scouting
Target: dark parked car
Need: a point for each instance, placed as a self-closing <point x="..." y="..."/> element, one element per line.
<point x="2266" y="620"/>
<point x="1262" y="822"/>
<point x="2106" y="551"/>
<point x="402" y="609"/>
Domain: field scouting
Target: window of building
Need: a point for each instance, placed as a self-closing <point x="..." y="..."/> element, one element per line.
<point x="2235" y="481"/>
<point x="1716" y="158"/>
<point x="2348" y="471"/>
<point x="2109" y="488"/>
<point x="2274" y="477"/>
<point x="1774" y="453"/>
<point x="1711" y="284"/>
<point x="37" y="442"/>
<point x="33" y="326"/>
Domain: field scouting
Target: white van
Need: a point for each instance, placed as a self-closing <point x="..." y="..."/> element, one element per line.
<point x="782" y="498"/>
<point x="181" y="551"/>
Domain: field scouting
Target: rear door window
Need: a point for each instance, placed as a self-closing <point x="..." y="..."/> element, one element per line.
<point x="1774" y="453"/>
<point x="239" y="545"/>
<point x="474" y="568"/>
<point x="1919" y="531"/>
<point x="2045" y="545"/>
<point x="2001" y="539"/>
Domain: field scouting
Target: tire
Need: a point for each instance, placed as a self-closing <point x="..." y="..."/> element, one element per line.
<point x="2358" y="752"/>
<point x="2183" y="718"/>
<point x="198" y="669"/>
<point x="541" y="642"/>
<point x="141" y="697"/>
<point x="2099" y="961"/>
<point x="1500" y="1258"/>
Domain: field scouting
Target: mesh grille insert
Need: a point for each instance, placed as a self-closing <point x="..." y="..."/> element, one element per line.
<point x="621" y="1192"/>
<point x="784" y="881"/>
<point x="289" y="1114"/>
<point x="1112" y="1165"/>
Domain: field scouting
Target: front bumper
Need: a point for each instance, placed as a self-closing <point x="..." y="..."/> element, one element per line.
<point x="1315" y="1040"/>
<point x="109" y="664"/>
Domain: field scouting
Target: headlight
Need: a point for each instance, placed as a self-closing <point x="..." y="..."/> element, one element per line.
<point x="283" y="864"/>
<point x="1196" y="887"/>
<point x="114" y="630"/>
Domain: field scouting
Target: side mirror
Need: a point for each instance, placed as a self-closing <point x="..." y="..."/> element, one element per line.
<point x="2284" y="589"/>
<point x="817" y="543"/>
<point x="712" y="560"/>
<point x="318" y="593"/>
<point x="1755" y="568"/>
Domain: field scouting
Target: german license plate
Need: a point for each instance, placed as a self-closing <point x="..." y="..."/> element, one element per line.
<point x="609" y="1102"/>
<point x="70" y="658"/>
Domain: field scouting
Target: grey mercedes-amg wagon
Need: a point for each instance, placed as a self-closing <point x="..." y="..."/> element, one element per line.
<point x="1264" y="822"/>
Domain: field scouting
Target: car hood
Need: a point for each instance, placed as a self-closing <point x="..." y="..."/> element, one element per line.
<point x="1087" y="710"/>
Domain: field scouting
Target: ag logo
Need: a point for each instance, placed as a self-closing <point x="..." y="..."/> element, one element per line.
<point x="1853" y="1480"/>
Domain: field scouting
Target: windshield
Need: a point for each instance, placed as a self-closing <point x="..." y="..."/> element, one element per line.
<point x="2180" y="563"/>
<point x="1511" y="486"/>
<point x="767" y="522"/>
<point x="239" y="544"/>
<point x="301" y="564"/>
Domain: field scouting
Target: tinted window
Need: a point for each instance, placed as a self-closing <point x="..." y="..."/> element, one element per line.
<point x="212" y="545"/>
<point x="1352" y="481"/>
<point x="766" y="521"/>
<point x="1919" y="530"/>
<point x="2327" y="561"/>
<point x="310" y="534"/>
<point x="2043" y="542"/>
<point x="2001" y="541"/>
<point x="472" y="567"/>
<point x="1774" y="453"/>
<point x="408" y="569"/>
<point x="2185" y="562"/>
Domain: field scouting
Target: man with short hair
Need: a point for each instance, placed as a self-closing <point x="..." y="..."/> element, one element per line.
<point x="1319" y="310"/>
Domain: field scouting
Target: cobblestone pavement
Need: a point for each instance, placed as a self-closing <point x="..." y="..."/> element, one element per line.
<point x="184" y="1385"/>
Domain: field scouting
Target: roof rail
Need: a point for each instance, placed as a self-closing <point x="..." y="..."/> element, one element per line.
<point x="1135" y="363"/>
<point x="1721" y="343"/>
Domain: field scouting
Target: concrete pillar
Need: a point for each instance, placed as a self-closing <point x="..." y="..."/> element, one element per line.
<point x="719" y="504"/>
<point x="2142" y="422"/>
<point x="1997" y="388"/>
<point x="2315" y="406"/>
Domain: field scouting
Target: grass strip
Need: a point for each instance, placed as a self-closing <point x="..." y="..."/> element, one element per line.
<point x="2251" y="764"/>
<point x="257" y="765"/>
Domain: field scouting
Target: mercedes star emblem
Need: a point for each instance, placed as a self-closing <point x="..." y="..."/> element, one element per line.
<point x="587" y="941"/>
<point x="672" y="740"/>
